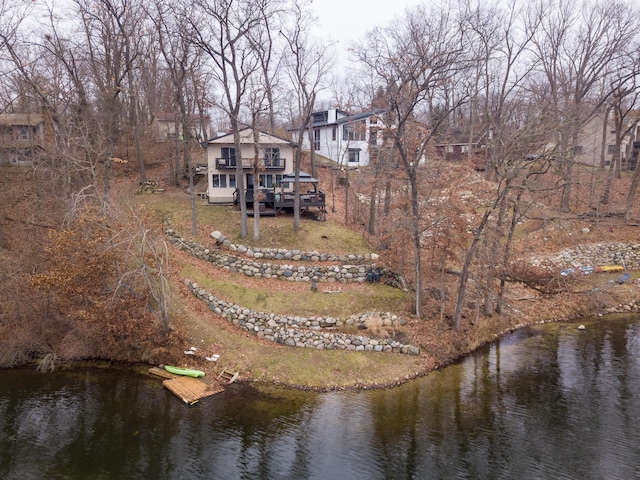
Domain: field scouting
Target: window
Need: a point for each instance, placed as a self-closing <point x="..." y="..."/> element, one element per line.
<point x="320" y="117"/>
<point x="316" y="139"/>
<point x="229" y="155"/>
<point x="21" y="134"/>
<point x="334" y="133"/>
<point x="373" y="136"/>
<point x="373" y="121"/>
<point x="465" y="148"/>
<point x="268" y="180"/>
<point x="611" y="149"/>
<point x="448" y="148"/>
<point x="232" y="181"/>
<point x="219" y="181"/>
<point x="272" y="157"/>
<point x="345" y="132"/>
<point x="354" y="155"/>
<point x="356" y="131"/>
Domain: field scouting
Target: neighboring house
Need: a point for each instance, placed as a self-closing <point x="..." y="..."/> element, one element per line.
<point x="344" y="138"/>
<point x="460" y="145"/>
<point x="276" y="161"/>
<point x="163" y="127"/>
<point x="589" y="146"/>
<point x="21" y="136"/>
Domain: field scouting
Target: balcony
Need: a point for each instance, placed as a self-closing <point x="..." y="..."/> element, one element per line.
<point x="270" y="165"/>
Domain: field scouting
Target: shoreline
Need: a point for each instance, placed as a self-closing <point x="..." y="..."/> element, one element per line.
<point x="107" y="363"/>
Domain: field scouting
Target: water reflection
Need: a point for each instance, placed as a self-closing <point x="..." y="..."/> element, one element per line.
<point x="550" y="402"/>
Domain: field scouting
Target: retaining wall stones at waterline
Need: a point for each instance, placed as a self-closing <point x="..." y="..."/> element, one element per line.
<point x="317" y="332"/>
<point x="251" y="264"/>
<point x="594" y="254"/>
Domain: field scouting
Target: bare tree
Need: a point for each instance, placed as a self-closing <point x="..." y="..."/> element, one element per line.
<point x="223" y="33"/>
<point x="306" y="66"/>
<point x="415" y="61"/>
<point x="623" y="103"/>
<point x="576" y="50"/>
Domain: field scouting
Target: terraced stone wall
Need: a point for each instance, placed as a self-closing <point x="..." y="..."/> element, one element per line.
<point x="319" y="333"/>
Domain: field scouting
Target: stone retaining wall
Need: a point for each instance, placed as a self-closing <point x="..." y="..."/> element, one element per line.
<point x="294" y="255"/>
<point x="251" y="264"/>
<point x="317" y="332"/>
<point x="594" y="254"/>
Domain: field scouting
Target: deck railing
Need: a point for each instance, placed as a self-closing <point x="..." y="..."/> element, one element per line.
<point x="281" y="200"/>
<point x="247" y="164"/>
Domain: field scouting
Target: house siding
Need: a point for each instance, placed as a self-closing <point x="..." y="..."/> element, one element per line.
<point x="334" y="143"/>
<point x="216" y="171"/>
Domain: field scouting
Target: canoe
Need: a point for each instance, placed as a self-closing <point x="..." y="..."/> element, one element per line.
<point x="189" y="372"/>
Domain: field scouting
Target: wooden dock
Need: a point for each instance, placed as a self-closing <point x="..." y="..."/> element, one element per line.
<point x="187" y="389"/>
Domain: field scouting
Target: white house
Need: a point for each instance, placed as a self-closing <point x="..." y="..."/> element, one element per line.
<point x="344" y="138"/>
<point x="276" y="161"/>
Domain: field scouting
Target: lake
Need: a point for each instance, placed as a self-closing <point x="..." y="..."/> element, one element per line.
<point x="550" y="401"/>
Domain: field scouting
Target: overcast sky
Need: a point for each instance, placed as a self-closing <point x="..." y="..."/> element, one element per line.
<point x="343" y="21"/>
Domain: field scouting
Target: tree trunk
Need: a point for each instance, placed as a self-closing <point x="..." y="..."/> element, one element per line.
<point x="417" y="247"/>
<point x="607" y="186"/>
<point x="296" y="194"/>
<point x="565" y="200"/>
<point x="312" y="151"/>
<point x="464" y="274"/>
<point x="240" y="186"/>
<point x="256" y="178"/>
<point x="632" y="194"/>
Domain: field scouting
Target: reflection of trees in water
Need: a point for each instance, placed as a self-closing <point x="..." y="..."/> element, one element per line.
<point x="561" y="403"/>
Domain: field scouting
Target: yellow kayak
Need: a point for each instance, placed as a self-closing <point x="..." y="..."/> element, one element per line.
<point x="610" y="268"/>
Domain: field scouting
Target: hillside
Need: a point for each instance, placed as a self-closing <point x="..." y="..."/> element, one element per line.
<point x="30" y="330"/>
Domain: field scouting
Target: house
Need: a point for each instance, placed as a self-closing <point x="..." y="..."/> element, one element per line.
<point x="164" y="126"/>
<point x="596" y="142"/>
<point x="461" y="145"/>
<point x="276" y="161"/>
<point x="274" y="189"/>
<point x="345" y="138"/>
<point x="21" y="136"/>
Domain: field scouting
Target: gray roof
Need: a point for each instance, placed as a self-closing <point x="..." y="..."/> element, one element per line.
<point x="304" y="178"/>
<point x="14" y="119"/>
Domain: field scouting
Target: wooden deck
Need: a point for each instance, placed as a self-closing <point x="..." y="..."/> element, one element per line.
<point x="272" y="203"/>
<point x="187" y="389"/>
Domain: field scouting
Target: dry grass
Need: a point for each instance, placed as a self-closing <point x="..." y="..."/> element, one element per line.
<point x="262" y="361"/>
<point x="286" y="298"/>
<point x="275" y="232"/>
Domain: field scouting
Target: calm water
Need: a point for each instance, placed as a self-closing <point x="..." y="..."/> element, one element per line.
<point x="551" y="402"/>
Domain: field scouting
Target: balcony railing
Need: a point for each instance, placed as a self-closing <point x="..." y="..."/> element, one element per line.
<point x="280" y="200"/>
<point x="247" y="164"/>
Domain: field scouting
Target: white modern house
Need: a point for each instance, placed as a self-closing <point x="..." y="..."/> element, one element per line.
<point x="345" y="138"/>
<point x="275" y="157"/>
